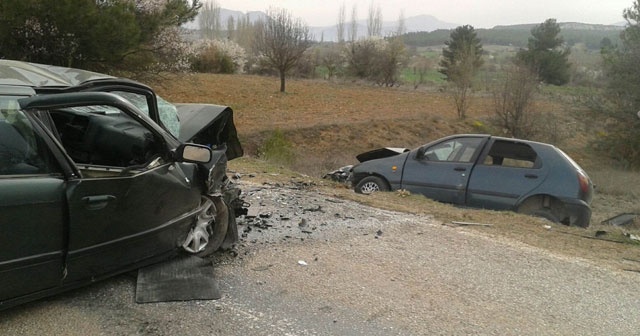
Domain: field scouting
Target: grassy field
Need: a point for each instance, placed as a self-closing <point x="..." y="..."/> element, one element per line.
<point x="325" y="124"/>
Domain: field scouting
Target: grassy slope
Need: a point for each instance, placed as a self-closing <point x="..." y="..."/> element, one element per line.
<point x="329" y="123"/>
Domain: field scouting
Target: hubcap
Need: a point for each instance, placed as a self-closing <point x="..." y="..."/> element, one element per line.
<point x="370" y="187"/>
<point x="198" y="237"/>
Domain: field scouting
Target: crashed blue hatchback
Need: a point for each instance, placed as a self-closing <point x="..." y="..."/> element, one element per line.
<point x="484" y="171"/>
<point x="99" y="176"/>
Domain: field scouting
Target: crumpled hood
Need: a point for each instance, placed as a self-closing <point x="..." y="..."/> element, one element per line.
<point x="210" y="125"/>
<point x="380" y="153"/>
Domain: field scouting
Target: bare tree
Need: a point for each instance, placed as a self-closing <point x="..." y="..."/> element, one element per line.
<point x="341" y="23"/>
<point x="245" y="32"/>
<point x="374" y="21"/>
<point x="332" y="59"/>
<point x="231" y="27"/>
<point x="209" y="19"/>
<point x="282" y="40"/>
<point x="402" y="27"/>
<point x="461" y="79"/>
<point x="461" y="60"/>
<point x="353" y="26"/>
<point x="513" y="100"/>
<point x="420" y="66"/>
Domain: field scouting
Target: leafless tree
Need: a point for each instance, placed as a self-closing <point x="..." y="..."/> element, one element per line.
<point x="231" y="27"/>
<point x="461" y="75"/>
<point x="332" y="59"/>
<point x="420" y="66"/>
<point x="402" y="27"/>
<point x="341" y="23"/>
<point x="353" y="26"/>
<point x="245" y="32"/>
<point x="513" y="100"/>
<point x="374" y="21"/>
<point x="282" y="41"/>
<point x="209" y="19"/>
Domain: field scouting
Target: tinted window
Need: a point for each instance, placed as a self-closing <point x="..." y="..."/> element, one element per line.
<point x="22" y="150"/>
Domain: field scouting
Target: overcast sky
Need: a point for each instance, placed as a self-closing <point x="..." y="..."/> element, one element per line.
<point x="478" y="13"/>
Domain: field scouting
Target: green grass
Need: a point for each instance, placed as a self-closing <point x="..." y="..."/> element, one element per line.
<point x="432" y="76"/>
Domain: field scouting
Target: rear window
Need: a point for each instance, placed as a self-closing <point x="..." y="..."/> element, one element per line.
<point x="511" y="154"/>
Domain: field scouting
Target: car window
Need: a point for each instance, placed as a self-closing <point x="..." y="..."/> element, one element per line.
<point x="511" y="154"/>
<point x="167" y="111"/>
<point x="104" y="141"/>
<point x="22" y="149"/>
<point x="455" y="150"/>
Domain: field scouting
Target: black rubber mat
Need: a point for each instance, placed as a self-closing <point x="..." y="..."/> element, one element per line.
<point x="181" y="279"/>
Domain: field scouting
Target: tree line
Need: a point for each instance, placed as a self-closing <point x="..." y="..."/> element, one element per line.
<point x="517" y="37"/>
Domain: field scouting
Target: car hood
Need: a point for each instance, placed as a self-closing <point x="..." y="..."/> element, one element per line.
<point x="210" y="125"/>
<point x="380" y="153"/>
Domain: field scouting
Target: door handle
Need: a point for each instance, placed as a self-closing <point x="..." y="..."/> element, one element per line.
<point x="531" y="176"/>
<point x="460" y="169"/>
<point x="97" y="202"/>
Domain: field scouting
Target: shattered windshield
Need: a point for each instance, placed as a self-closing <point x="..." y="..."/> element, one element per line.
<point x="8" y="105"/>
<point x="168" y="112"/>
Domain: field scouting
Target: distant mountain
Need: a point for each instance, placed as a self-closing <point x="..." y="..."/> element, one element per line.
<point x="427" y="30"/>
<point x="225" y="14"/>
<point x="417" y="23"/>
<point x="567" y="26"/>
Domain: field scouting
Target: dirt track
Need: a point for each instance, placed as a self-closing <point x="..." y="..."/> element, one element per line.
<point x="367" y="272"/>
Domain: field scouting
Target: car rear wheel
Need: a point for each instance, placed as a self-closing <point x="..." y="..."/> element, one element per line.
<point x="371" y="184"/>
<point x="546" y="214"/>
<point x="210" y="229"/>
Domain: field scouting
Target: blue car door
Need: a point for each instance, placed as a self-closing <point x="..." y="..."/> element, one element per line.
<point x="507" y="170"/>
<point x="441" y="171"/>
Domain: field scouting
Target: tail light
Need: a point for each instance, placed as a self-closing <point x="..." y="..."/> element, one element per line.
<point x="584" y="182"/>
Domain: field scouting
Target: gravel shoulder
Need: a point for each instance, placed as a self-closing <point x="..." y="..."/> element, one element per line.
<point x="313" y="264"/>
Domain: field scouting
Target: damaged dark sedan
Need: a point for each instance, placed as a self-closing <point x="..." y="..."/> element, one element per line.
<point x="484" y="171"/>
<point x="99" y="176"/>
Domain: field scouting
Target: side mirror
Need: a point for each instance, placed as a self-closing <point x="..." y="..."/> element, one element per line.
<point x="193" y="153"/>
<point x="420" y="153"/>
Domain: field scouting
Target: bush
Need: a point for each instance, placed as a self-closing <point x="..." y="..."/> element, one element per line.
<point x="277" y="149"/>
<point x="219" y="56"/>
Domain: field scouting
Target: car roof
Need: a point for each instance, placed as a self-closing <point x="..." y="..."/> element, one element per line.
<point x="17" y="73"/>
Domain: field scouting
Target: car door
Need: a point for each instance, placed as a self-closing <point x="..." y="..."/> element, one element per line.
<point x="441" y="171"/>
<point x="131" y="202"/>
<point x="506" y="170"/>
<point x="32" y="206"/>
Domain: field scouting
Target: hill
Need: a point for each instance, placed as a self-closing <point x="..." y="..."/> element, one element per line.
<point x="517" y="35"/>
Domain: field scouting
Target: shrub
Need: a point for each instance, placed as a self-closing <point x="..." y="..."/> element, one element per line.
<point x="277" y="149"/>
<point x="218" y="56"/>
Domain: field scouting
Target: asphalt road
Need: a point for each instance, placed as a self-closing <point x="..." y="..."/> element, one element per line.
<point x="310" y="264"/>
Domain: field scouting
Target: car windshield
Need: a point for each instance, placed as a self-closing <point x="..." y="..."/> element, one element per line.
<point x="168" y="112"/>
<point x="8" y="105"/>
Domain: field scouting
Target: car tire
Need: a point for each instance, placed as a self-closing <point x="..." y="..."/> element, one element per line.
<point x="371" y="184"/>
<point x="544" y="213"/>
<point x="210" y="229"/>
<point x="218" y="228"/>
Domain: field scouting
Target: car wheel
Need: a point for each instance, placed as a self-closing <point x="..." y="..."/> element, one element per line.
<point x="371" y="184"/>
<point x="210" y="229"/>
<point x="544" y="213"/>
